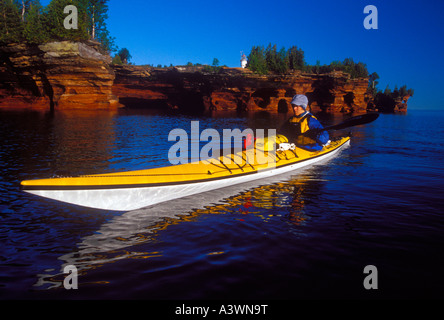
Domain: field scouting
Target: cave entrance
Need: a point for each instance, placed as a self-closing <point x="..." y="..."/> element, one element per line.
<point x="282" y="106"/>
<point x="349" y="99"/>
<point x="262" y="97"/>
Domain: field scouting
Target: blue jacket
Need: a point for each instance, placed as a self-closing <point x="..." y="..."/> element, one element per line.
<point x="321" y="139"/>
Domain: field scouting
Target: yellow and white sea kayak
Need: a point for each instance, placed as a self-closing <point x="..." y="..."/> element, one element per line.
<point x="131" y="190"/>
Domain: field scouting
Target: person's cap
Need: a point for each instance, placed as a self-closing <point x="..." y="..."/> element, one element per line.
<point x="300" y="100"/>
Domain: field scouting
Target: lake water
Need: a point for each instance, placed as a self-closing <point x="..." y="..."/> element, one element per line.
<point x="308" y="234"/>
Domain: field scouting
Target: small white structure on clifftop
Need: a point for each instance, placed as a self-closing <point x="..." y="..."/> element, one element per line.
<point x="243" y="60"/>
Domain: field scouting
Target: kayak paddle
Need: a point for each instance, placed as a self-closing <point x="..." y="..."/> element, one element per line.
<point x="351" y="122"/>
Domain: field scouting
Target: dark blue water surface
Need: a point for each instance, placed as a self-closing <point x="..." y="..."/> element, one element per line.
<point x="308" y="234"/>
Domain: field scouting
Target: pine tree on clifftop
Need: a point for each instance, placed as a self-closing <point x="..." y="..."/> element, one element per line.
<point x="256" y="60"/>
<point x="28" y="21"/>
<point x="23" y="6"/>
<point x="55" y="17"/>
<point x="10" y="23"/>
<point x="97" y="13"/>
<point x="296" y="60"/>
<point x="34" y="25"/>
<point x="92" y="17"/>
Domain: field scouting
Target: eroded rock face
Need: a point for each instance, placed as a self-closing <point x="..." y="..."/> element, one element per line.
<point x="76" y="75"/>
<point x="401" y="104"/>
<point x="56" y="75"/>
<point x="192" y="88"/>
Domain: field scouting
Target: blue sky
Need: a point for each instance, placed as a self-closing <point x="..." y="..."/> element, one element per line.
<point x="407" y="48"/>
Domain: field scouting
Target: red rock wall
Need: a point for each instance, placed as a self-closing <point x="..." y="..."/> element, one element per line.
<point x="56" y="75"/>
<point x="190" y="88"/>
<point x="75" y="75"/>
<point x="401" y="104"/>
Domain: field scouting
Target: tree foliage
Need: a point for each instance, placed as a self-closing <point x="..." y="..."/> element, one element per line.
<point x="256" y="60"/>
<point x="34" y="24"/>
<point x="356" y="70"/>
<point x="10" y="23"/>
<point x="397" y="93"/>
<point x="28" y="21"/>
<point x="55" y="17"/>
<point x="296" y="59"/>
<point x="117" y="60"/>
<point x="277" y="61"/>
<point x="265" y="60"/>
<point x="124" y="55"/>
<point x="97" y="11"/>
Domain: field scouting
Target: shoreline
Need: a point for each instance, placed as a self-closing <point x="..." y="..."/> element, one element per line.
<point x="75" y="75"/>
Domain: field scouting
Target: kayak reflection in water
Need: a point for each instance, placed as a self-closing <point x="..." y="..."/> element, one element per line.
<point x="302" y="121"/>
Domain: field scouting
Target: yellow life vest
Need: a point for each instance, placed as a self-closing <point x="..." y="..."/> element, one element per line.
<point x="298" y="126"/>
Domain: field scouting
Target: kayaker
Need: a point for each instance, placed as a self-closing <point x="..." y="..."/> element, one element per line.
<point x="301" y="122"/>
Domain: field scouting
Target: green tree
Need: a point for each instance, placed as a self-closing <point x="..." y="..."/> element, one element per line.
<point x="348" y="66"/>
<point x="256" y="60"/>
<point x="336" y="65"/>
<point x="271" y="58"/>
<point x="395" y="93"/>
<point x="28" y="20"/>
<point x="360" y="70"/>
<point x="124" y="55"/>
<point x="283" y="63"/>
<point x="262" y="61"/>
<point x="97" y="13"/>
<point x="403" y="91"/>
<point x="277" y="62"/>
<point x="23" y="7"/>
<point x="214" y="68"/>
<point x="117" y="60"/>
<point x="10" y="22"/>
<point x="372" y="83"/>
<point x="317" y="68"/>
<point x="296" y="60"/>
<point x="34" y="26"/>
<point x="55" y="18"/>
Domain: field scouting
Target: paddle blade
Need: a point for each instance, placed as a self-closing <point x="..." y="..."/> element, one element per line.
<point x="354" y="121"/>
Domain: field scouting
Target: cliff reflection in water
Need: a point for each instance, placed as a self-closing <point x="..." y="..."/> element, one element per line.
<point x="59" y="143"/>
<point x="129" y="235"/>
<point x="83" y="137"/>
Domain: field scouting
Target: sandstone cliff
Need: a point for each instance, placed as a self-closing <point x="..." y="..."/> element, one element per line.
<point x="401" y="104"/>
<point x="75" y="75"/>
<point x="57" y="74"/>
<point x="195" y="89"/>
